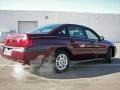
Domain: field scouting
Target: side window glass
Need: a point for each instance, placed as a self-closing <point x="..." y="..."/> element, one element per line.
<point x="91" y="35"/>
<point x="76" y="32"/>
<point x="62" y="31"/>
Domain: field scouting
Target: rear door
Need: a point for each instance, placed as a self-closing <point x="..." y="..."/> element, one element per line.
<point x="99" y="48"/>
<point x="81" y="46"/>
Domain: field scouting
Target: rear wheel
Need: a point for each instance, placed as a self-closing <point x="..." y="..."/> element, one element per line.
<point x="108" y="58"/>
<point x="61" y="61"/>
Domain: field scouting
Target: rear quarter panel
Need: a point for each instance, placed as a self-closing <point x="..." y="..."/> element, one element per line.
<point x="49" y="43"/>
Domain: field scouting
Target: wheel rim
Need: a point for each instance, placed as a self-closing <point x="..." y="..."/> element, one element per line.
<point x="61" y="61"/>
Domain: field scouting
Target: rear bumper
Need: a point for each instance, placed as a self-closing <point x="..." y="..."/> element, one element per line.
<point x="22" y="54"/>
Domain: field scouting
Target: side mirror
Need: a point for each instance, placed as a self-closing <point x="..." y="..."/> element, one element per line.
<point x="101" y="38"/>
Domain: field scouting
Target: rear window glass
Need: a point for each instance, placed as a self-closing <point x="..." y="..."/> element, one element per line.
<point x="44" y="29"/>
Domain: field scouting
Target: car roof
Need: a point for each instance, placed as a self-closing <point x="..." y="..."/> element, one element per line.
<point x="75" y="24"/>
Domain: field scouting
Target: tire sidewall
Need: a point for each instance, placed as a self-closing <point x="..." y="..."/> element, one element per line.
<point x="109" y="55"/>
<point x="56" y="55"/>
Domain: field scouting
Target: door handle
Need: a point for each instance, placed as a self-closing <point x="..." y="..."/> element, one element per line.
<point x="92" y="42"/>
<point x="72" y="41"/>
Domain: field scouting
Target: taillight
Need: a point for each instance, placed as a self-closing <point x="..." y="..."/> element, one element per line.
<point x="5" y="40"/>
<point x="24" y="41"/>
<point x="18" y="40"/>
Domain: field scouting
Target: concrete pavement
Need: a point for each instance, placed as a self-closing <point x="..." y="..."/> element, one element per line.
<point x="81" y="76"/>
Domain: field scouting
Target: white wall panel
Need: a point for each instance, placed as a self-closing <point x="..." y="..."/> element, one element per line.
<point x="26" y="26"/>
<point x="107" y="25"/>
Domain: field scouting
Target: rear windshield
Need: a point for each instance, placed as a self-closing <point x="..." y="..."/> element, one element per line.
<point x="45" y="29"/>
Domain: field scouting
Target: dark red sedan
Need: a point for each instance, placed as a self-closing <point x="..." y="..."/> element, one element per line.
<point x="65" y="41"/>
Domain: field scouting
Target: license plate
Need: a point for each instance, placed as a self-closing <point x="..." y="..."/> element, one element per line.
<point x="7" y="51"/>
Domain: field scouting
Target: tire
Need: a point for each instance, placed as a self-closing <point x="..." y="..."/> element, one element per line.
<point x="61" y="61"/>
<point x="108" y="58"/>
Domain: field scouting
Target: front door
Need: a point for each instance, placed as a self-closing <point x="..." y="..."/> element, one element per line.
<point x="81" y="47"/>
<point x="98" y="47"/>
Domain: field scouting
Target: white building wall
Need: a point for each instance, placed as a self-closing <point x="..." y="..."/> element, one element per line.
<point x="107" y="25"/>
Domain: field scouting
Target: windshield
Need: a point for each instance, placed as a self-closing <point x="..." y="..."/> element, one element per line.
<point x="45" y="29"/>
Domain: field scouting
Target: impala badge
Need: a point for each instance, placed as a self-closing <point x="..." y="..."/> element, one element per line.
<point x="82" y="45"/>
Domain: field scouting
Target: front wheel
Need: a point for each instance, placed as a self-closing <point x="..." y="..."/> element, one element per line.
<point x="108" y="58"/>
<point x="61" y="61"/>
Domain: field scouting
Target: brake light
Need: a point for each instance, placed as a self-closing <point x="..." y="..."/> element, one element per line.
<point x="24" y="41"/>
<point x="5" y="40"/>
<point x="18" y="40"/>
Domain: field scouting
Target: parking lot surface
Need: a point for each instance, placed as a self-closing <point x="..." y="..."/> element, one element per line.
<point x="95" y="75"/>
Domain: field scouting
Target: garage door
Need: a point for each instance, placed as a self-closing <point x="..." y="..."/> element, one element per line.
<point x="26" y="26"/>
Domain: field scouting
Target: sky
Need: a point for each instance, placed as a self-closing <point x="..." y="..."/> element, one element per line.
<point x="93" y="6"/>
